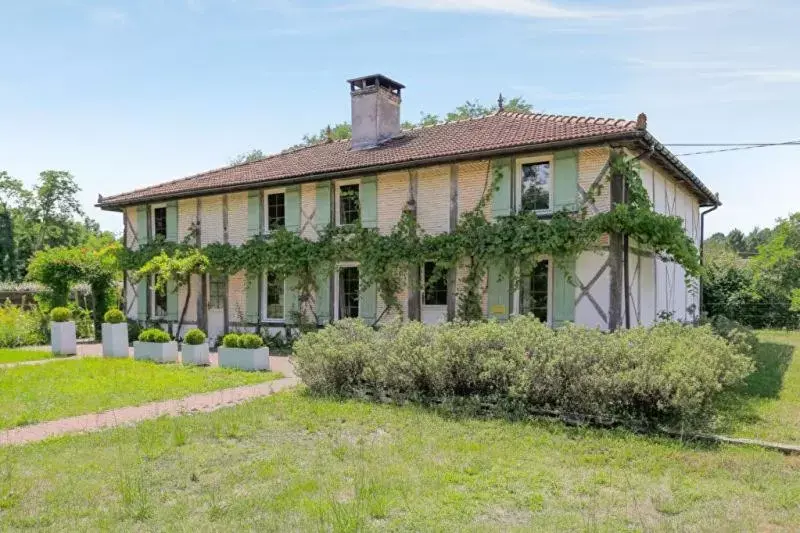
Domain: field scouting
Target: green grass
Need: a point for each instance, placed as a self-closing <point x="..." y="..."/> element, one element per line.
<point x="768" y="405"/>
<point x="30" y="394"/>
<point x="295" y="463"/>
<point x="17" y="356"/>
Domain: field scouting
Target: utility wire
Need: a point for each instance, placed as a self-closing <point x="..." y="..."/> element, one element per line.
<point x="734" y="147"/>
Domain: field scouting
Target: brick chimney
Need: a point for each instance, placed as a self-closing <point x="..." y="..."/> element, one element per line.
<point x="375" y="106"/>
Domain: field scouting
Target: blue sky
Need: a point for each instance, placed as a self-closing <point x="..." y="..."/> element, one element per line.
<point x="126" y="94"/>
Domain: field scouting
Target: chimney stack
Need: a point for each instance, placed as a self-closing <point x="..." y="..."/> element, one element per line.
<point x="375" y="107"/>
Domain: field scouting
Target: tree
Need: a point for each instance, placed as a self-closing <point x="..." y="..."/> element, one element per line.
<point x="247" y="157"/>
<point x="177" y="269"/>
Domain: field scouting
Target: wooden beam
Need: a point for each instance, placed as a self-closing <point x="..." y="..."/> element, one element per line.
<point x="615" y="260"/>
<point x="414" y="299"/>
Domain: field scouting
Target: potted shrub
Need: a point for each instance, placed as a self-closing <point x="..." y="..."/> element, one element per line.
<point x="115" y="334"/>
<point x="246" y="352"/>
<point x="62" y="332"/>
<point x="155" y="345"/>
<point x="195" y="348"/>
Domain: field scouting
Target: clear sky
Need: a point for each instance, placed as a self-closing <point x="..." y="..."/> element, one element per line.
<point x="126" y="94"/>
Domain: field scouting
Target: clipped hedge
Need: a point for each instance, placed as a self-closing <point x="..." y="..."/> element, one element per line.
<point x="250" y="341"/>
<point x="231" y="340"/>
<point x="114" y="316"/>
<point x="194" y="337"/>
<point x="666" y="373"/>
<point x="60" y="314"/>
<point x="154" y="335"/>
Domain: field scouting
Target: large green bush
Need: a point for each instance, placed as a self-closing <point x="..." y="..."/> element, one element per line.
<point x="741" y="337"/>
<point x="19" y="327"/>
<point x="667" y="373"/>
<point x="154" y="335"/>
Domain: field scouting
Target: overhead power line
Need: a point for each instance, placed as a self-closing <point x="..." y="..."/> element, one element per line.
<point x="730" y="147"/>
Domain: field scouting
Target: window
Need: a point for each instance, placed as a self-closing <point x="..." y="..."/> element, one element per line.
<point x="535" y="179"/>
<point x="216" y="292"/>
<point x="274" y="296"/>
<point x="348" y="292"/>
<point x="276" y="211"/>
<point x="535" y="290"/>
<point x="348" y="204"/>
<point x="159" y="302"/>
<point x="435" y="289"/>
<point x="160" y="222"/>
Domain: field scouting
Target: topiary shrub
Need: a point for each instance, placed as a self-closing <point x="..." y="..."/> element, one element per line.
<point x="114" y="316"/>
<point x="154" y="335"/>
<point x="194" y="337"/>
<point x="231" y="340"/>
<point x="250" y="341"/>
<point x="60" y="314"/>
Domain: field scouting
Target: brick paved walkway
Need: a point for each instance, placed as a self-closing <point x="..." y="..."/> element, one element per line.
<point x="205" y="402"/>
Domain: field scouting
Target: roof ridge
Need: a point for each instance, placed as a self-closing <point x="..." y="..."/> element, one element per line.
<point x="574" y="119"/>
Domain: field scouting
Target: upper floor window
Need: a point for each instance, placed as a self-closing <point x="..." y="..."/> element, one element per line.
<point x="349" y="205"/>
<point x="535" y="291"/>
<point x="536" y="186"/>
<point x="160" y="222"/>
<point x="435" y="287"/>
<point x="276" y="211"/>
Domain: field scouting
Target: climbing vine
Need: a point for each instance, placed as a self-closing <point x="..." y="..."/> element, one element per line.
<point x="515" y="242"/>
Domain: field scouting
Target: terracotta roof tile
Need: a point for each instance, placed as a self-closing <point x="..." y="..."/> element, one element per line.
<point x="497" y="131"/>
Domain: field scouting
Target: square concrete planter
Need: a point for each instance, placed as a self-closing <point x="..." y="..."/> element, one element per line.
<point x="62" y="338"/>
<point x="195" y="354"/>
<point x="244" y="359"/>
<point x="115" y="340"/>
<point x="160" y="352"/>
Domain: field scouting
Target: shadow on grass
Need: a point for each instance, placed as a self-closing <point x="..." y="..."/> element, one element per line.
<point x="772" y="361"/>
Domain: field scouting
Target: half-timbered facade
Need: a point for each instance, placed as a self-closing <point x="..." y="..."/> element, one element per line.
<point x="547" y="162"/>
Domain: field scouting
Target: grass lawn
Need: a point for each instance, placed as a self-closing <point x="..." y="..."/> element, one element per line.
<point x="295" y="463"/>
<point x="768" y="406"/>
<point x="59" y="389"/>
<point x="16" y="356"/>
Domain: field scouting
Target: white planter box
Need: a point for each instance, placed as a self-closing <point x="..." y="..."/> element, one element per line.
<point x="115" y="340"/>
<point x="160" y="352"/>
<point x="62" y="338"/>
<point x="195" y="354"/>
<point x="244" y="359"/>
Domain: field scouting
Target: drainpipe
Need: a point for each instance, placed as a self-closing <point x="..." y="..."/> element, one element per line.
<point x="702" y="242"/>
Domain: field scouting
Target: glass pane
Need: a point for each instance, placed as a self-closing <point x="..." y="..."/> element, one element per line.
<point x="160" y="222"/>
<point x="535" y="186"/>
<point x="348" y="204"/>
<point x="348" y="292"/>
<point x="535" y="290"/>
<point x="274" y="297"/>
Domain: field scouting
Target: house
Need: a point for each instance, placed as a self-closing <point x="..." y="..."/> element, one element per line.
<point x="549" y="163"/>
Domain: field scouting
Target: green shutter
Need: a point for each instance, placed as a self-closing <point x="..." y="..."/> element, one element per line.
<point x="141" y="225"/>
<point x="172" y="222"/>
<point x="141" y="300"/>
<point x="565" y="180"/>
<point x="291" y="300"/>
<point x="254" y="214"/>
<point x="252" y="313"/>
<point x="563" y="293"/>
<point x="498" y="293"/>
<point x="368" y="303"/>
<point x="322" y="219"/>
<point x="172" y="302"/>
<point x="501" y="198"/>
<point x="322" y="299"/>
<point x="291" y="199"/>
<point x="368" y="201"/>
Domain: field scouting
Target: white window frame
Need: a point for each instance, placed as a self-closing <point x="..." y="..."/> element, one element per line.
<point x="425" y="288"/>
<point x="153" y="208"/>
<point x="265" y="207"/>
<point x="337" y="201"/>
<point x="518" y="181"/>
<point x="210" y="307"/>
<point x="265" y="303"/>
<point x="340" y="266"/>
<point x="550" y="289"/>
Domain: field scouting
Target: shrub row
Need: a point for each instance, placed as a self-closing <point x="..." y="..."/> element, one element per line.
<point x="19" y="327"/>
<point x="249" y="341"/>
<point x="667" y="373"/>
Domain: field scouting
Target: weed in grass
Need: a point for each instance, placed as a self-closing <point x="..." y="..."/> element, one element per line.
<point x="179" y="435"/>
<point x="133" y="492"/>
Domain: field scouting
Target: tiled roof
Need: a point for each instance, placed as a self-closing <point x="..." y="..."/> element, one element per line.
<point x="494" y="132"/>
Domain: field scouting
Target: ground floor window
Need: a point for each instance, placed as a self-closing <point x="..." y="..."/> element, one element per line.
<point x="535" y="290"/>
<point x="274" y="296"/>
<point x="159" y="301"/>
<point x="435" y="287"/>
<point x="348" y="292"/>
<point x="216" y="292"/>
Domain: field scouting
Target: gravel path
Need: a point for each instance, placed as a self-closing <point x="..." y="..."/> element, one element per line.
<point x="205" y="402"/>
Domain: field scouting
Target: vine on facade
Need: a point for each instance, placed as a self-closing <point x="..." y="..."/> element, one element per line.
<point x="514" y="241"/>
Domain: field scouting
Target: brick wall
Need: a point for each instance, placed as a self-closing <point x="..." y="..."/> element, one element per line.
<point x="473" y="180"/>
<point x="211" y="220"/>
<point x="590" y="162"/>
<point x="237" y="218"/>
<point x="392" y="199"/>
<point x="433" y="199"/>
<point x="237" y="297"/>
<point x="308" y="210"/>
